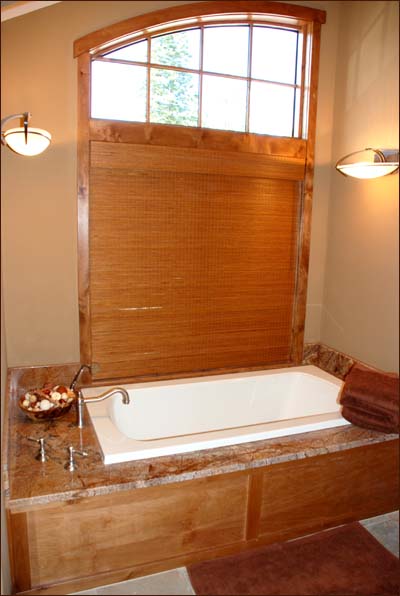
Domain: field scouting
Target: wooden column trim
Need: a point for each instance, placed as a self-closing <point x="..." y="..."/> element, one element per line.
<point x="254" y="503"/>
<point x="299" y="314"/>
<point x="84" y="67"/>
<point x="18" y="538"/>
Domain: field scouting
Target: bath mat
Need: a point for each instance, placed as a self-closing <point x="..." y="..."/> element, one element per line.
<point x="346" y="560"/>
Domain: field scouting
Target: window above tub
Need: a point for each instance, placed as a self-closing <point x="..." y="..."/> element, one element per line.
<point x="244" y="77"/>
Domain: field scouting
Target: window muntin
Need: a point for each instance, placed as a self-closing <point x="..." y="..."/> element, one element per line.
<point x="242" y="77"/>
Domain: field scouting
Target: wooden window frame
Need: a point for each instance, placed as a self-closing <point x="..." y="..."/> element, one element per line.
<point x="300" y="149"/>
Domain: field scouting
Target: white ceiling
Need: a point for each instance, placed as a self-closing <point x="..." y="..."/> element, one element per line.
<point x="11" y="8"/>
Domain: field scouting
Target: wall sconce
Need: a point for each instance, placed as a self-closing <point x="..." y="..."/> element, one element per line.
<point x="369" y="163"/>
<point x="24" y="140"/>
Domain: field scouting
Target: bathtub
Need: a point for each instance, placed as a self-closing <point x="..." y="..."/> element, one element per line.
<point x="179" y="416"/>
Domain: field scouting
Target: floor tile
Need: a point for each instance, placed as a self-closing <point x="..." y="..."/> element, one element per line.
<point x="385" y="528"/>
<point x="392" y="516"/>
<point x="175" y="583"/>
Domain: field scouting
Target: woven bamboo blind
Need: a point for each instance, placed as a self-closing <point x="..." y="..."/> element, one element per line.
<point x="192" y="256"/>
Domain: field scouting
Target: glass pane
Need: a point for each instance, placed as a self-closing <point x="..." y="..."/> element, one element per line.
<point x="177" y="49"/>
<point x="137" y="52"/>
<point x="299" y="58"/>
<point x="118" y="91"/>
<point x="226" y="50"/>
<point x="274" y="54"/>
<point x="296" y="131"/>
<point x="174" y="97"/>
<point x="224" y="103"/>
<point x="271" y="109"/>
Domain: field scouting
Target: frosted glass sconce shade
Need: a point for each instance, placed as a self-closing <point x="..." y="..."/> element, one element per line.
<point x="25" y="140"/>
<point x="369" y="163"/>
<point x="36" y="142"/>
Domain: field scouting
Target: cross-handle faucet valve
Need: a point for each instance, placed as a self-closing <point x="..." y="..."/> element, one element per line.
<point x="41" y="454"/>
<point x="71" y="464"/>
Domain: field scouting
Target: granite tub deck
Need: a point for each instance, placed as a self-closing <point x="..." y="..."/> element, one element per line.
<point x="29" y="482"/>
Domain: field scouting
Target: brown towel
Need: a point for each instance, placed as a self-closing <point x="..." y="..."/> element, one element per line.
<point x="370" y="399"/>
<point x="385" y="424"/>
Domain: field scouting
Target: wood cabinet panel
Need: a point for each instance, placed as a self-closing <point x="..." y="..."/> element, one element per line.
<point x="99" y="540"/>
<point x="125" y="529"/>
<point x="329" y="490"/>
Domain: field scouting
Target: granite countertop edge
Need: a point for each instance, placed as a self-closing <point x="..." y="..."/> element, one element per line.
<point x="20" y="504"/>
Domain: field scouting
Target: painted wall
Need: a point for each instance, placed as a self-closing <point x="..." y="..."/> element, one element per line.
<point x="361" y="306"/>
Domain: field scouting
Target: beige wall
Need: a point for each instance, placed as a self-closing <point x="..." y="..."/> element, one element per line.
<point x="360" y="314"/>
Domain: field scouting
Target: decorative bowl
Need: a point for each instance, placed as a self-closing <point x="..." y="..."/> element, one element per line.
<point x="47" y="403"/>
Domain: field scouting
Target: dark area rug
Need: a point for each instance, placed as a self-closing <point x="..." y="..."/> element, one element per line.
<point x="345" y="561"/>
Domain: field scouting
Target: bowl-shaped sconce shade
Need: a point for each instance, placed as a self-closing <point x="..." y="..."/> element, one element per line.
<point x="36" y="142"/>
<point x="369" y="163"/>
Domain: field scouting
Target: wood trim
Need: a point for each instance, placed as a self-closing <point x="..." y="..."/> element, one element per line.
<point x="136" y="571"/>
<point x="284" y="514"/>
<point x="93" y="41"/>
<point x="84" y="66"/>
<point x="182" y="374"/>
<point x="200" y="161"/>
<point x="19" y="551"/>
<point x="313" y="38"/>
<point x="328" y="490"/>
<point x="254" y="504"/>
<point x="218" y="20"/>
<point x="194" y="137"/>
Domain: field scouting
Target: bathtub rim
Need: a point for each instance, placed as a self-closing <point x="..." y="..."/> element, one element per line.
<point x="135" y="450"/>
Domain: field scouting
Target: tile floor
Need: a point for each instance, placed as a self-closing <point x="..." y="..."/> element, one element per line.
<point x="385" y="528"/>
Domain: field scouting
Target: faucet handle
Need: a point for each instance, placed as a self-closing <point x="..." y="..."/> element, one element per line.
<point x="41" y="454"/>
<point x="71" y="464"/>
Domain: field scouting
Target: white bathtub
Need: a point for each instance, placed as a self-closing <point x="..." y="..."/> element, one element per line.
<point x="178" y="416"/>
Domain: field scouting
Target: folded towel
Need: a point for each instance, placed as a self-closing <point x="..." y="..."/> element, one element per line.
<point x="370" y="399"/>
<point x="384" y="423"/>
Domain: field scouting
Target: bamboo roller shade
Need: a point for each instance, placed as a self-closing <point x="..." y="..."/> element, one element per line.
<point x="192" y="259"/>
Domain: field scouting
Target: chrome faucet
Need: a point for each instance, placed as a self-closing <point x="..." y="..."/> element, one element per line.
<point x="80" y="402"/>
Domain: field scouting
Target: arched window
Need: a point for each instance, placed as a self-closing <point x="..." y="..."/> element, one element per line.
<point x="195" y="167"/>
<point x="244" y="77"/>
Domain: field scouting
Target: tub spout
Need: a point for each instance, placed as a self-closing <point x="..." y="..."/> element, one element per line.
<point x="78" y="374"/>
<point x="81" y="400"/>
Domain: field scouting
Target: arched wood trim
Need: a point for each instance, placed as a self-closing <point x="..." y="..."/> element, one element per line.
<point x="94" y="41"/>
